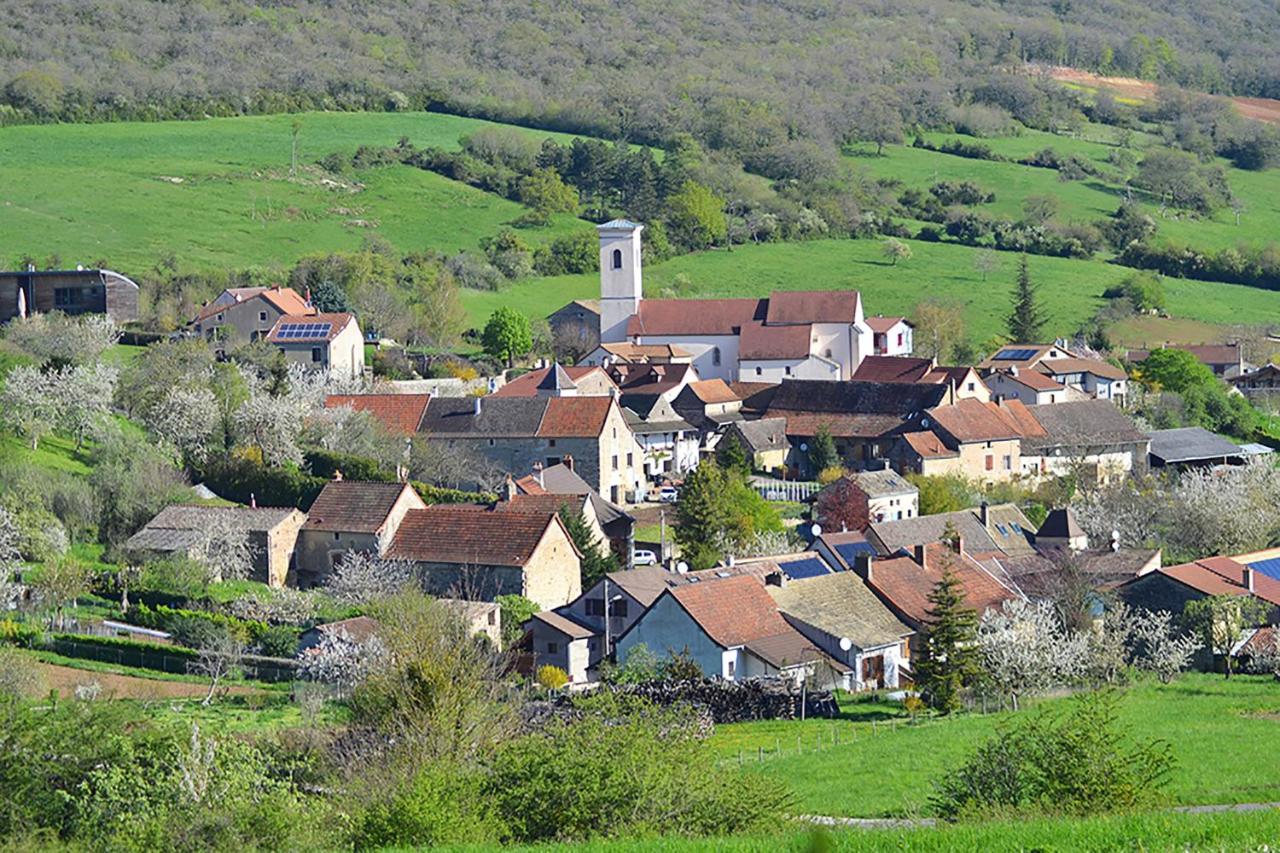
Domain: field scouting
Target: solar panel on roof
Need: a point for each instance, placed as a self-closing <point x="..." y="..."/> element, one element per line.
<point x="1015" y="354"/>
<point x="303" y="331"/>
<point x="850" y="550"/>
<point x="810" y="568"/>
<point x="1270" y="568"/>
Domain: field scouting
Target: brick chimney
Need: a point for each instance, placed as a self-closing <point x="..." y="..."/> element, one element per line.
<point x="1248" y="579"/>
<point x="921" y="555"/>
<point x="567" y="461"/>
<point x="984" y="514"/>
<point x="862" y="565"/>
<point x="508" y="488"/>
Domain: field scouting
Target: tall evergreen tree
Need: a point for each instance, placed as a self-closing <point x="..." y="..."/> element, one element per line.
<point x="731" y="455"/>
<point x="949" y="662"/>
<point x="1025" y="322"/>
<point x="702" y="515"/>
<point x="822" y="452"/>
<point x="597" y="559"/>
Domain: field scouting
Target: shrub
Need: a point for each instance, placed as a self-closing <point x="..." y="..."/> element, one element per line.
<point x="551" y="677"/>
<point x="443" y="804"/>
<point x="1080" y="763"/>
<point x="278" y="641"/>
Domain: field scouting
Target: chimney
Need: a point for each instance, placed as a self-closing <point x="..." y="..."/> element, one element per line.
<point x="959" y="543"/>
<point x="777" y="579"/>
<point x="1013" y="370"/>
<point x="921" y="555"/>
<point x="1248" y="578"/>
<point x="478" y="406"/>
<point x="337" y="476"/>
<point x="862" y="565"/>
<point x="983" y="514"/>
<point x="728" y="561"/>
<point x="567" y="461"/>
<point x="253" y="501"/>
<point x="508" y="488"/>
<point x="537" y="472"/>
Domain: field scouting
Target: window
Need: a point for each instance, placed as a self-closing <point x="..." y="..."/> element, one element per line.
<point x="991" y="462"/>
<point x="595" y="606"/>
<point x="69" y="297"/>
<point x="553" y="648"/>
<point x="759" y="371"/>
<point x="900" y="338"/>
<point x="262" y="316"/>
<point x="317" y="354"/>
<point x="715" y="356"/>
<point x="618" y="608"/>
<point x="630" y="462"/>
<point x="972" y="386"/>
<point x="617" y="259"/>
<point x="615" y="463"/>
<point x="491" y="442"/>
<point x="729" y="668"/>
<point x="551" y="443"/>
<point x="787" y="369"/>
<point x="1008" y="462"/>
<point x="828" y="352"/>
<point x="493" y="617"/>
<point x="337" y="536"/>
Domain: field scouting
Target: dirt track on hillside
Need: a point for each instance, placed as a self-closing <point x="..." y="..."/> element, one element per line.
<point x="1262" y="109"/>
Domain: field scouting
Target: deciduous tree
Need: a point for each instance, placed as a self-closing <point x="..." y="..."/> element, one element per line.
<point x="507" y="335"/>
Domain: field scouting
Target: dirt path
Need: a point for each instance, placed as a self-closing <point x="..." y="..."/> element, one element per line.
<point x="65" y="679"/>
<point x="1261" y="109"/>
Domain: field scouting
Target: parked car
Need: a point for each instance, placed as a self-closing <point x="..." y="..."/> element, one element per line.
<point x="668" y="494"/>
<point x="644" y="557"/>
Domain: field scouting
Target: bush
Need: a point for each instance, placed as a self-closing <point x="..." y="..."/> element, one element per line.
<point x="443" y="804"/>
<point x="278" y="641"/>
<point x="238" y="479"/>
<point x="551" y="677"/>
<point x="1079" y="763"/>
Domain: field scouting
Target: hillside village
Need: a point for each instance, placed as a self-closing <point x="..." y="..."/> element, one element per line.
<point x="490" y="432"/>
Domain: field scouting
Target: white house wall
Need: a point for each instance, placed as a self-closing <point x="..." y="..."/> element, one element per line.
<point x="702" y="349"/>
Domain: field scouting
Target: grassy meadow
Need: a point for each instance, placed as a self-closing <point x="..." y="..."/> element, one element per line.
<point x="218" y="192"/>
<point x="1214" y="726"/>
<point x="1071" y="290"/>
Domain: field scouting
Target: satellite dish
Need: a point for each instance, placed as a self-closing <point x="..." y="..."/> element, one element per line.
<point x="817" y="530"/>
<point x="804" y="446"/>
<point x="682" y="568"/>
<point x="845" y="644"/>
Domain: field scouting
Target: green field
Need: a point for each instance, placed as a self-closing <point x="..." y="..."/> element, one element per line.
<point x="218" y="193"/>
<point x="1252" y="831"/>
<point x="1215" y="727"/>
<point x="1071" y="289"/>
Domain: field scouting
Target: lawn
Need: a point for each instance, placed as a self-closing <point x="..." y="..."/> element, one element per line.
<point x="55" y="453"/>
<point x="1215" y="727"/>
<point x="1071" y="289"/>
<point x="217" y="193"/>
<point x="1149" y="832"/>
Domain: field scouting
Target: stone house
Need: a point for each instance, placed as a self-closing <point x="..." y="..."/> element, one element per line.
<point x="78" y="291"/>
<point x="559" y="381"/>
<point x="615" y="524"/>
<point x="329" y="342"/>
<point x="764" y="440"/>
<point x="245" y="314"/>
<point x="515" y="433"/>
<point x="350" y="516"/>
<point x="1090" y="438"/>
<point x="180" y="529"/>
<point x="476" y="553"/>
<point x="980" y="441"/>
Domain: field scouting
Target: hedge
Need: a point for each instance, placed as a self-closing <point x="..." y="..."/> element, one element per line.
<point x="162" y="618"/>
<point x="159" y="657"/>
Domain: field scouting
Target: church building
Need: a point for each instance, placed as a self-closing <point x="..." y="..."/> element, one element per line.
<point x="788" y="335"/>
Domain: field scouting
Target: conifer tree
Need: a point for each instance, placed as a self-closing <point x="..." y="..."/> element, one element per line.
<point x="1025" y="322"/>
<point x="732" y="456"/>
<point x="949" y="662"/>
<point x="823" y="453"/>
<point x="597" y="559"/>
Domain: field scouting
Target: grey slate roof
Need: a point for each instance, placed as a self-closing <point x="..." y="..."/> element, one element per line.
<point x="1009" y="531"/>
<point x="864" y="398"/>
<point x="559" y="479"/>
<point x="763" y="434"/>
<point x="1082" y="423"/>
<point x="499" y="416"/>
<point x="841" y="605"/>
<point x="178" y="527"/>
<point x="1060" y="524"/>
<point x="878" y="484"/>
<point x="1190" y="444"/>
<point x="557" y="380"/>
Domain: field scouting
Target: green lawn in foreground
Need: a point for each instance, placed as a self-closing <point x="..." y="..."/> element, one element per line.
<point x="1071" y="290"/>
<point x="1216" y="728"/>
<point x="1149" y="832"/>
<point x="108" y="191"/>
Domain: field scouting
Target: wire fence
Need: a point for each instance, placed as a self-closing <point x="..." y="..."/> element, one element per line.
<point x="169" y="659"/>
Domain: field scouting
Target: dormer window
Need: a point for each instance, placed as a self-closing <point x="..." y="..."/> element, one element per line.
<point x="617" y="259"/>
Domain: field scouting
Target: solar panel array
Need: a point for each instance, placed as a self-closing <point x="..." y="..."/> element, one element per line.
<point x="303" y="331"/>
<point x="808" y="568"/>
<point x="1015" y="354"/>
<point x="1270" y="568"/>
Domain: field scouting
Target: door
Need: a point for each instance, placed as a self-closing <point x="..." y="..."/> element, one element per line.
<point x="873" y="671"/>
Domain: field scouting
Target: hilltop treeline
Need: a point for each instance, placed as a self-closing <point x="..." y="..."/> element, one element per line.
<point x="742" y="76"/>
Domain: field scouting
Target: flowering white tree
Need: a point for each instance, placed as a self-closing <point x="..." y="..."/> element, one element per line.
<point x="29" y="403"/>
<point x="10" y="558"/>
<point x="271" y="424"/>
<point x="224" y="548"/>
<point x="1025" y="649"/>
<point x="285" y="606"/>
<point x="341" y="661"/>
<point x="361" y="576"/>
<point x="1159" y="647"/>
<point x="185" y="419"/>
<point x="83" y="397"/>
<point x="64" y="339"/>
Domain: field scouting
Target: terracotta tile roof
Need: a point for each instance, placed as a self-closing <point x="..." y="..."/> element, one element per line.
<point x="733" y="611"/>
<point x="695" y="316"/>
<point x="645" y="378"/>
<point x="1061" y="366"/>
<point x="906" y="585"/>
<point x="801" y="307"/>
<point x="1033" y="379"/>
<point x="350" y="506"/>
<point x="760" y="342"/>
<point x="928" y="446"/>
<point x="973" y="420"/>
<point x="713" y="391"/>
<point x="526" y="385"/>
<point x="644" y="352"/>
<point x="882" y="325"/>
<point x="575" y="417"/>
<point x="890" y="368"/>
<point x="398" y="413"/>
<point x="530" y="486"/>
<point x="284" y="299"/>
<point x="461" y="535"/>
<point x="337" y="323"/>
<point x="287" y="300"/>
<point x="958" y="375"/>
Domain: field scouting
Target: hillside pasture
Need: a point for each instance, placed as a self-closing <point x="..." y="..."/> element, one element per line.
<point x="217" y="193"/>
